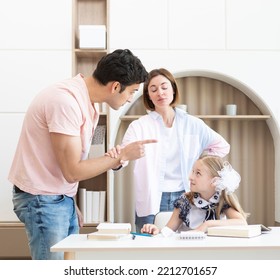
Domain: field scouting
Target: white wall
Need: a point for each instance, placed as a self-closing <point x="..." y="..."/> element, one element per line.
<point x="238" y="39"/>
<point x="35" y="50"/>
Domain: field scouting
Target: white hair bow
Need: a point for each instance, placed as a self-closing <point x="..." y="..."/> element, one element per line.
<point x="228" y="179"/>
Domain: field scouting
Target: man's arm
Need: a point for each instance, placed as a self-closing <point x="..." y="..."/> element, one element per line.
<point x="68" y="150"/>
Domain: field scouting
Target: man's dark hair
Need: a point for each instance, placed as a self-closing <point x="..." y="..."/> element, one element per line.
<point x="121" y="66"/>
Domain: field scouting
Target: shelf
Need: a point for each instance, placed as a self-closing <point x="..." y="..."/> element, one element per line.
<point x="11" y="224"/>
<point x="211" y="117"/>
<point x="90" y="52"/>
<point x="90" y="224"/>
<point x="15" y="243"/>
<point x="85" y="60"/>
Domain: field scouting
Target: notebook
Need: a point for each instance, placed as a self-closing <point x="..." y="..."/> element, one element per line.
<point x="192" y="235"/>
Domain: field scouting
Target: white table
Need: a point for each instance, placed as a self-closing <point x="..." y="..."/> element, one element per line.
<point x="263" y="247"/>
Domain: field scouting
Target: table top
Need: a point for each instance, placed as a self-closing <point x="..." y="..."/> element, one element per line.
<point x="79" y="242"/>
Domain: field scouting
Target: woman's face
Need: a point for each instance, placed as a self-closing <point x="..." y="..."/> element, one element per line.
<point x="160" y="91"/>
<point x="201" y="180"/>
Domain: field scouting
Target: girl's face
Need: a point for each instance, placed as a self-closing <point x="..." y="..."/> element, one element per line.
<point x="160" y="91"/>
<point x="201" y="180"/>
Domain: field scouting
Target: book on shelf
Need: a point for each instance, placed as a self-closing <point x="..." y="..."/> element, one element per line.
<point x="97" y="148"/>
<point x="82" y="202"/>
<point x="246" y="231"/>
<point x="102" y="206"/>
<point x="95" y="206"/>
<point x="88" y="207"/>
<point x="92" y="205"/>
<point x="114" y="228"/>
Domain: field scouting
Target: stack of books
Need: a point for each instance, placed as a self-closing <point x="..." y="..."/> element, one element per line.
<point x="111" y="231"/>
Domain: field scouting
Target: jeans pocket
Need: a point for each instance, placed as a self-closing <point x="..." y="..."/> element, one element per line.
<point x="21" y="203"/>
<point x="50" y="199"/>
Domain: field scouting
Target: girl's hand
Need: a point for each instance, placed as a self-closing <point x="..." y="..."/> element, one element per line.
<point x="150" y="228"/>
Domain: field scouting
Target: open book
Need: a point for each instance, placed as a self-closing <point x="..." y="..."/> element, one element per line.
<point x="237" y="231"/>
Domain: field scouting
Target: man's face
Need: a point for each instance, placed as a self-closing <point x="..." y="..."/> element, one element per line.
<point x="119" y="99"/>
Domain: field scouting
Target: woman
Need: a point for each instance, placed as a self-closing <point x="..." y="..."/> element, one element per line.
<point x="211" y="199"/>
<point x="160" y="177"/>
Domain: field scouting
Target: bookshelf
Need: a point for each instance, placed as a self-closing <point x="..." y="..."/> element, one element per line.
<point x="91" y="14"/>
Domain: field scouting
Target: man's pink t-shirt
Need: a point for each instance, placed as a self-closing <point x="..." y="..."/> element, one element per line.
<point x="63" y="108"/>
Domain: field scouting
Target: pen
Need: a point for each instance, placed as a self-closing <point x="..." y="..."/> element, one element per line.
<point x="140" y="234"/>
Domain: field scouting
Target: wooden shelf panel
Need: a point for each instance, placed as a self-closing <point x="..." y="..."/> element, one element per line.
<point x="14" y="243"/>
<point x="11" y="225"/>
<point x="94" y="225"/>
<point x="211" y="117"/>
<point x="90" y="52"/>
<point x="85" y="60"/>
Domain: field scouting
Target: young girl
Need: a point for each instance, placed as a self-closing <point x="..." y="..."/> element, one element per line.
<point x="211" y="199"/>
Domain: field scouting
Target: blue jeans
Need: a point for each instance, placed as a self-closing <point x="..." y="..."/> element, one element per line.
<point x="48" y="219"/>
<point x="166" y="204"/>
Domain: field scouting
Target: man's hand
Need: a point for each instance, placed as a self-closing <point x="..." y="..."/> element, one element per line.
<point x="131" y="151"/>
<point x="135" y="150"/>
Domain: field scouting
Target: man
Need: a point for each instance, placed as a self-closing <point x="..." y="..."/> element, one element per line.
<point x="51" y="156"/>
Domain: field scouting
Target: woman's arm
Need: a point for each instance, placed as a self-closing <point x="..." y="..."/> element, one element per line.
<point x="218" y="148"/>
